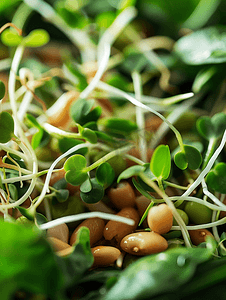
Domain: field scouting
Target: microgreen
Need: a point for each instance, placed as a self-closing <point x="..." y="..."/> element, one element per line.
<point x="191" y="158"/>
<point x="36" y="38"/>
<point x="7" y="127"/>
<point x="82" y="112"/>
<point x="95" y="194"/>
<point x="129" y="172"/>
<point x="66" y="143"/>
<point x="2" y="90"/>
<point x="216" y="178"/>
<point x="161" y="162"/>
<point x="214" y="127"/>
<point x="74" y="167"/>
<point x="116" y="125"/>
<point x="105" y="174"/>
<point x="211" y="51"/>
<point x="179" y="261"/>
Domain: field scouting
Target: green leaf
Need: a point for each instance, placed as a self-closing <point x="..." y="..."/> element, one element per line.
<point x="36" y="139"/>
<point x="36" y="38"/>
<point x="132" y="171"/>
<point x="11" y="38"/>
<point x="142" y="190"/>
<point x="62" y="195"/>
<point x="6" y="127"/>
<point x="26" y="213"/>
<point x="212" y="127"/>
<point x="67" y="143"/>
<point x="146" y="213"/>
<point x="40" y="219"/>
<point x="216" y="178"/>
<point x="33" y="121"/>
<point x="2" y="90"/>
<point x="95" y="194"/>
<point x="203" y="46"/>
<point x="161" y="162"/>
<point x="5" y="4"/>
<point x="24" y="255"/>
<point x="82" y="112"/>
<point x="155" y="274"/>
<point x="105" y="174"/>
<point x="74" y="169"/>
<point x="191" y="158"/>
<point x="86" y="186"/>
<point x="203" y="78"/>
<point x="181" y="160"/>
<point x="117" y="125"/>
<point x="79" y="261"/>
<point x="13" y="191"/>
<point x="89" y="135"/>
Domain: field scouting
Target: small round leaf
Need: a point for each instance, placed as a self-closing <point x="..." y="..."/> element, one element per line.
<point x="6" y="127"/>
<point x="105" y="174"/>
<point x="10" y="38"/>
<point x="89" y="135"/>
<point x="161" y="162"/>
<point x="96" y="193"/>
<point x="132" y="171"/>
<point x="37" y="38"/>
<point x="2" y="90"/>
<point x="181" y="160"/>
<point x="216" y="178"/>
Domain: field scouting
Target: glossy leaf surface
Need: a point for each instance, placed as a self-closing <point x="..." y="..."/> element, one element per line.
<point x="156" y="274"/>
<point x="216" y="178"/>
<point x="205" y="46"/>
<point x="6" y="126"/>
<point x="161" y="162"/>
<point x="74" y="169"/>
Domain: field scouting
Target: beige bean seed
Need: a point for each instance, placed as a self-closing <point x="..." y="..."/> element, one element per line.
<point x="104" y="255"/>
<point x="198" y="236"/>
<point x="65" y="252"/>
<point x="57" y="244"/>
<point x="117" y="230"/>
<point x="95" y="226"/>
<point x="160" y="218"/>
<point x="143" y="243"/>
<point x="60" y="232"/>
<point x="122" y="196"/>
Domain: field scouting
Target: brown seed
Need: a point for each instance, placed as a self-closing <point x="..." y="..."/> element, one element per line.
<point x="117" y="230"/>
<point x="122" y="196"/>
<point x="198" y="236"/>
<point x="58" y="244"/>
<point x="160" y="218"/>
<point x="95" y="226"/>
<point x="60" y="232"/>
<point x="65" y="252"/>
<point x="143" y="243"/>
<point x="104" y="255"/>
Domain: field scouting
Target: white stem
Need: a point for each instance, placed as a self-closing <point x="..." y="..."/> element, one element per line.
<point x="207" y="168"/>
<point x="87" y="215"/>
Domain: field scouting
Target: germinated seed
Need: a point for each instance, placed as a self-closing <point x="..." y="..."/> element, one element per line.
<point x="160" y="218"/>
<point x="198" y="236"/>
<point x="60" y="232"/>
<point x="104" y="255"/>
<point x="95" y="226"/>
<point x="122" y="196"/>
<point x="143" y="243"/>
<point x="117" y="230"/>
<point x="58" y="244"/>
